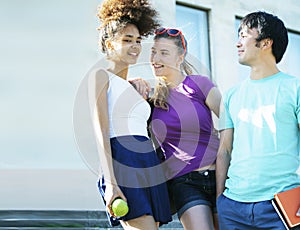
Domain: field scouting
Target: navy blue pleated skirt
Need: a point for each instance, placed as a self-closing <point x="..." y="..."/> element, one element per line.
<point x="140" y="177"/>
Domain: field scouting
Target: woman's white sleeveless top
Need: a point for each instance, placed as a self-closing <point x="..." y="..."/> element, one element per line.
<point x="128" y="111"/>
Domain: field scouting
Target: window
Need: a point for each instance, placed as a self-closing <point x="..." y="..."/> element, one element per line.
<point x="194" y="25"/>
<point x="289" y="63"/>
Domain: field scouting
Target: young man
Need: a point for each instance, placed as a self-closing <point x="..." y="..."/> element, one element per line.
<point x="259" y="143"/>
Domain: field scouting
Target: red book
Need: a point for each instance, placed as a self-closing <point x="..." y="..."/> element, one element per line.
<point x="287" y="204"/>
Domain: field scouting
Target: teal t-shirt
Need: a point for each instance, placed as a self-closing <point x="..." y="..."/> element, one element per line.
<point x="265" y="157"/>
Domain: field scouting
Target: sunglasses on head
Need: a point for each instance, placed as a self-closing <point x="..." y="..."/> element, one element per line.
<point x="172" y="33"/>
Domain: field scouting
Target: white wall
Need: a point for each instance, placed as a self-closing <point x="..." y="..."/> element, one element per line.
<point x="46" y="49"/>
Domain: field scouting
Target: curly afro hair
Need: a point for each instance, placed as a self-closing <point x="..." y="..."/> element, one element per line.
<point x="114" y="15"/>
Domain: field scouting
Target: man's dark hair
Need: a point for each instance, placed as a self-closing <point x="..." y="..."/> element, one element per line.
<point x="268" y="26"/>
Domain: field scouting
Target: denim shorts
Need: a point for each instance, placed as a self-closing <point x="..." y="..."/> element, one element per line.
<point x="191" y="189"/>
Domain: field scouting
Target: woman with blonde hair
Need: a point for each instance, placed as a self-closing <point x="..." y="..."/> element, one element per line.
<point x="183" y="127"/>
<point x="131" y="169"/>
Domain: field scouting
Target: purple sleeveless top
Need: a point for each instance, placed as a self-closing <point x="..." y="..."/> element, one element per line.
<point x="185" y="132"/>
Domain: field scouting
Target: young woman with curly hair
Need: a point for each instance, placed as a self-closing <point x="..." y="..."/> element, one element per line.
<point x="131" y="169"/>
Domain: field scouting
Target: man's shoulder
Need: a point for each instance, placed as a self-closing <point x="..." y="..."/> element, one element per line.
<point x="290" y="82"/>
<point x="234" y="89"/>
<point x="290" y="77"/>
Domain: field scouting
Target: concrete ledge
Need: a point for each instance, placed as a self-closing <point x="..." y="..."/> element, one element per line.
<point x="61" y="219"/>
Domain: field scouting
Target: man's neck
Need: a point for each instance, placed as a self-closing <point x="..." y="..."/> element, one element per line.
<point x="263" y="70"/>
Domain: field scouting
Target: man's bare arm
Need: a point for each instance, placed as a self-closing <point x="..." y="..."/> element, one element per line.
<point x="223" y="159"/>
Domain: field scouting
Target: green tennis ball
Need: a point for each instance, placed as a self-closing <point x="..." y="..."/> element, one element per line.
<point x="119" y="207"/>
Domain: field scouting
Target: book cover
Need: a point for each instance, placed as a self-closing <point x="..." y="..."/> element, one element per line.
<point x="288" y="203"/>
